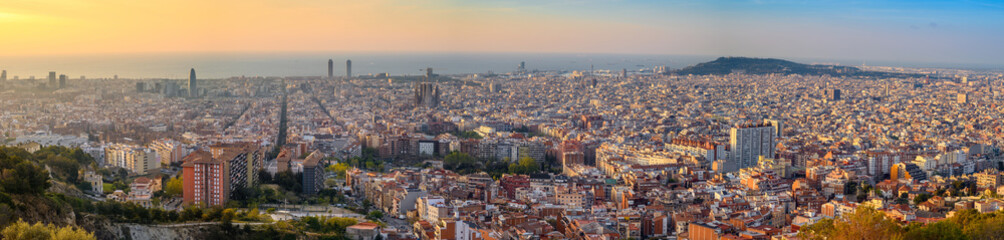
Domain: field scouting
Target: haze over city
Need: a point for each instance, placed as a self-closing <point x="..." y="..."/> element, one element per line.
<point x="501" y="120"/>
<point x="951" y="32"/>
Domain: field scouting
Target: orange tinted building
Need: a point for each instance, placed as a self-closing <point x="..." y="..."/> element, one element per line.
<point x="206" y="180"/>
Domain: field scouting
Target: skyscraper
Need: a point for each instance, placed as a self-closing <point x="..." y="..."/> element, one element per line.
<point x="331" y="69"/>
<point x="348" y="68"/>
<point x="52" y="80"/>
<point x="3" y="76"/>
<point x="62" y="80"/>
<point x="836" y="95"/>
<point x="522" y="67"/>
<point x="748" y="142"/>
<point x="624" y="73"/>
<point x="192" y="87"/>
<point x="428" y="74"/>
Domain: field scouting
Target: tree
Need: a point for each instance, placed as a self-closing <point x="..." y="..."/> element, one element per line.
<point x="228" y="215"/>
<point x="9" y="156"/>
<point x="850" y="188"/>
<point x="175" y="187"/>
<point x="212" y="214"/>
<point x="902" y="201"/>
<point x="264" y="176"/>
<point x="819" y="230"/>
<point x="526" y="165"/>
<point x="374" y="215"/>
<point x="980" y="226"/>
<point x="339" y="169"/>
<point x="943" y="230"/>
<point x="289" y="181"/>
<point x="63" y="168"/>
<point x="24" y="178"/>
<point x="470" y="135"/>
<point x="460" y="162"/>
<point x="921" y="198"/>
<point x="864" y="223"/>
<point x="191" y="213"/>
<point x="75" y="154"/>
<point x="313" y="223"/>
<point x="338" y="224"/>
<point x="25" y="231"/>
<point x="21" y="230"/>
<point x="123" y="174"/>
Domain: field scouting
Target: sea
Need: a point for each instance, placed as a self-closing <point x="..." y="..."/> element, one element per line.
<point x="225" y="65"/>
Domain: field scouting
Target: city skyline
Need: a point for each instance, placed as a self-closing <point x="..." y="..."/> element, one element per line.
<point x="962" y="32"/>
<point x="502" y="120"/>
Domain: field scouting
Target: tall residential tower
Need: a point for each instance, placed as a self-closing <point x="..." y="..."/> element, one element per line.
<point x="52" y="80"/>
<point x="748" y="142"/>
<point x="207" y="180"/>
<point x="62" y="81"/>
<point x="348" y="68"/>
<point x="193" y="89"/>
<point x="331" y="69"/>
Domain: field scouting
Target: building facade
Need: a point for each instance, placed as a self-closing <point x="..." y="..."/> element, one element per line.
<point x="207" y="180"/>
<point x="748" y="142"/>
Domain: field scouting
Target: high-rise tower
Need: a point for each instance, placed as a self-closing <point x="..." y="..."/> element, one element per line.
<point x="62" y="80"/>
<point x="52" y="80"/>
<point x="331" y="69"/>
<point x="3" y="76"/>
<point x="348" y="68"/>
<point x="193" y="89"/>
<point x="748" y="142"/>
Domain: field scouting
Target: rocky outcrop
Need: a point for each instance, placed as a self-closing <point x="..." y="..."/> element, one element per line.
<point x="52" y="210"/>
<point x="66" y="189"/>
<point x="105" y="229"/>
<point x="32" y="208"/>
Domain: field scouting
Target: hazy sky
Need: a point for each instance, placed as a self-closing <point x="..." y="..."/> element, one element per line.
<point x="915" y="31"/>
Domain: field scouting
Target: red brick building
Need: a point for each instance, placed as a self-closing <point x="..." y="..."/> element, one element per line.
<point x="206" y="180"/>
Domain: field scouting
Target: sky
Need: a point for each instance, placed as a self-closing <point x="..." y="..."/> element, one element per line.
<point x="914" y="31"/>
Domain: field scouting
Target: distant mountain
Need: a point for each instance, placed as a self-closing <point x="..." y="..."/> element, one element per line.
<point x="727" y="65"/>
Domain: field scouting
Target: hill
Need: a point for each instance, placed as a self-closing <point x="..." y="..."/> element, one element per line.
<point x="759" y="66"/>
